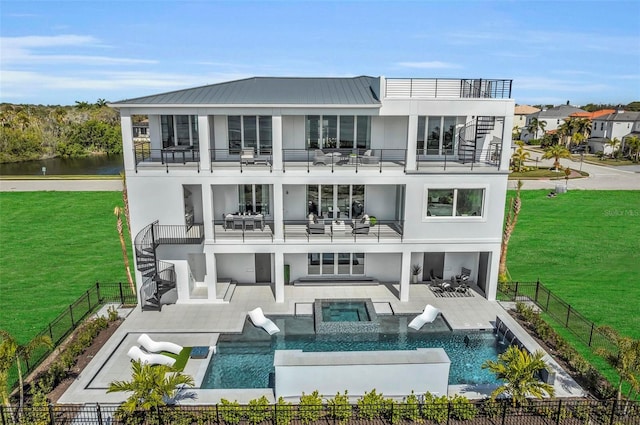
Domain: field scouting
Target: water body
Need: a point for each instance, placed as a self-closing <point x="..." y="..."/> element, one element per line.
<point x="90" y="165"/>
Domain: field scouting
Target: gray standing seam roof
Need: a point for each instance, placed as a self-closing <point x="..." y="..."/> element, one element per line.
<point x="361" y="90"/>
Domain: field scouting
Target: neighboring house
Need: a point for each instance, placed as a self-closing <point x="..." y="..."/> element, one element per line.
<point x="553" y="117"/>
<point x="320" y="181"/>
<point x="520" y="116"/>
<point x="141" y="131"/>
<point x="615" y="125"/>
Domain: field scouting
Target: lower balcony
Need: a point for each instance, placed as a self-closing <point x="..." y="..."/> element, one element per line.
<point x="344" y="159"/>
<point x="243" y="228"/>
<point x="329" y="230"/>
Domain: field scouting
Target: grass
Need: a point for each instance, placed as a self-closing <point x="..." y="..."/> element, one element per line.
<point x="545" y="173"/>
<point x="583" y="245"/>
<point x="181" y="359"/>
<point x="608" y="161"/>
<point x="53" y="246"/>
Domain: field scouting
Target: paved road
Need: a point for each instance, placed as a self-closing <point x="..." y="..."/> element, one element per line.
<point x="60" y="185"/>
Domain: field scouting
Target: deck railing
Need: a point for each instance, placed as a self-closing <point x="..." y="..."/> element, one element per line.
<point x="225" y="230"/>
<point x="426" y="88"/>
<point x="168" y="157"/>
<point x="338" y="159"/>
<point x="472" y="159"/>
<point x="233" y="157"/>
<point x="383" y="230"/>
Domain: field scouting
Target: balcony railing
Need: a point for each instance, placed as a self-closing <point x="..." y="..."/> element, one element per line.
<point x="235" y="159"/>
<point x="344" y="231"/>
<point x="241" y="230"/>
<point x="177" y="234"/>
<point x="354" y="159"/>
<point x="427" y="88"/>
<point x="167" y="157"/>
<point x="477" y="158"/>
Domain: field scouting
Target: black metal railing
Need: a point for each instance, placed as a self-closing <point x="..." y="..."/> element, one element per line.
<point x="176" y="234"/>
<point x="167" y="157"/>
<point x="235" y="157"/>
<point x="346" y="231"/>
<point x="480" y="412"/>
<point x="447" y="88"/>
<point x="561" y="311"/>
<point x="355" y="159"/>
<point x="472" y="159"/>
<point x="59" y="328"/>
<point x="243" y="229"/>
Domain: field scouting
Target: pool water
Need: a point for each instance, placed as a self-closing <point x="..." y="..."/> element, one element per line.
<point x="246" y="360"/>
<point x="344" y="311"/>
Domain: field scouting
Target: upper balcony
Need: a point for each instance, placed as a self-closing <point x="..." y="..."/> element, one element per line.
<point x="431" y="88"/>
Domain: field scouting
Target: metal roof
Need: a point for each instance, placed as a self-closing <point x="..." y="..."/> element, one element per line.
<point x="361" y="90"/>
<point x="562" y="111"/>
<point x="625" y="116"/>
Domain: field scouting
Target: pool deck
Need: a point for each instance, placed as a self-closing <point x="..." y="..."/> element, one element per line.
<point x="200" y="325"/>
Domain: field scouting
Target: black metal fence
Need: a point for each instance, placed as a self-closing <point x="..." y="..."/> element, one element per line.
<point x="542" y="412"/>
<point x="58" y="329"/>
<point x="561" y="311"/>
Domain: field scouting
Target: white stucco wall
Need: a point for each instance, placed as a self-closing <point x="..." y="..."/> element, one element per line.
<point x="241" y="267"/>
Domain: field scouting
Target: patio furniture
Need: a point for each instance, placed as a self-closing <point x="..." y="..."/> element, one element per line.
<point x="314" y="226"/>
<point x="360" y="228"/>
<point x="228" y="221"/>
<point x="157" y="346"/>
<point x="428" y="316"/>
<point x="135" y="353"/>
<point x="320" y="157"/>
<point x="249" y="223"/>
<point x="247" y="156"/>
<point x="258" y="318"/>
<point x="338" y="227"/>
<point x="369" y="158"/>
<point x="238" y="222"/>
<point x="258" y="221"/>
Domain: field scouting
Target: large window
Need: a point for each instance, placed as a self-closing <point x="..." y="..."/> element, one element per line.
<point x="455" y="202"/>
<point x="336" y="201"/>
<point x="437" y="135"/>
<point x="333" y="131"/>
<point x="342" y="263"/>
<point x="254" y="198"/>
<point x="179" y="130"/>
<point x="250" y="131"/>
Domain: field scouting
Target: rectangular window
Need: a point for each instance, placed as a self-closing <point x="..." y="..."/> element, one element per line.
<point x="363" y="132"/>
<point x="254" y="199"/>
<point x="266" y="134"/>
<point x="433" y="136"/>
<point x="346" y="131"/>
<point x="235" y="134"/>
<point x="250" y="132"/>
<point x="336" y="201"/>
<point x="455" y="202"/>
<point x="312" y="131"/>
<point x="250" y="135"/>
<point x="357" y="263"/>
<point x="179" y="130"/>
<point x="328" y="263"/>
<point x="314" y="263"/>
<point x="422" y="121"/>
<point x="449" y="133"/>
<point x="330" y="131"/>
<point x="342" y="263"/>
<point x="166" y="122"/>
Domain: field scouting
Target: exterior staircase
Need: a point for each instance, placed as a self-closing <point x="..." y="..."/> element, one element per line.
<point x="472" y="135"/>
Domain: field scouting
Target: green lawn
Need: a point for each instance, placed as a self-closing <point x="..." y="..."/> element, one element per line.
<point x="584" y="246"/>
<point x="53" y="246"/>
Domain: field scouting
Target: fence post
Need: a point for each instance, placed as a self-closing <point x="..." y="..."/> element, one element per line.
<point x="159" y="416"/>
<point x="504" y="410"/>
<point x="558" y="412"/>
<point x="98" y="292"/>
<point x="73" y="324"/>
<point x="613" y="411"/>
<point x="89" y="299"/>
<point x="448" y="411"/>
<point x="537" y="289"/>
<point x="217" y="414"/>
<point x="591" y="333"/>
<point x="568" y="313"/>
<point x="99" y="414"/>
<point x="52" y="420"/>
<point x="50" y="332"/>
<point x="4" y="422"/>
<point x="121" y="294"/>
<point x="274" y="421"/>
<point x="515" y="296"/>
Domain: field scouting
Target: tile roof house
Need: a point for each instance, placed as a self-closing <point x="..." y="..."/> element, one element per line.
<point x="553" y="117"/>
<point x="316" y="181"/>
<point x="615" y="125"/>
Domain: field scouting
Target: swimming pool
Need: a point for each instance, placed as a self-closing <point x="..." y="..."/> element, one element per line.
<point x="246" y="360"/>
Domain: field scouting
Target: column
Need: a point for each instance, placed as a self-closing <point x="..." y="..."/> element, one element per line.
<point x="507" y="135"/>
<point x="412" y="142"/>
<point x="203" y="142"/>
<point x="278" y="212"/>
<point x="276" y="129"/>
<point x="279" y="272"/>
<point x="127" y="140"/>
<point x="405" y="276"/>
<point x="492" y="274"/>
<point x="207" y="211"/>
<point x="211" y="278"/>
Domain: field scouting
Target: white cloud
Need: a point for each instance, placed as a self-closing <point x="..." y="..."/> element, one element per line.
<point x="428" y="65"/>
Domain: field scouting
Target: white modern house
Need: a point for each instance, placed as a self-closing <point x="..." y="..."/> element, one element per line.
<point x="317" y="181"/>
<point x="616" y="125"/>
<point x="552" y="117"/>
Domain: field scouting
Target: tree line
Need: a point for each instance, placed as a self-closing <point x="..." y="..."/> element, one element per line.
<point x="30" y="132"/>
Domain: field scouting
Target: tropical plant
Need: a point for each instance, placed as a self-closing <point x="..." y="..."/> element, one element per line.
<point x="633" y="142"/>
<point x="339" y="407"/>
<point x="613" y="144"/>
<point x="151" y="386"/>
<point x="258" y="410"/>
<point x="117" y="211"/>
<point x="310" y="407"/>
<point x="518" y="370"/>
<point x="283" y="412"/>
<point x="416" y="269"/>
<point x="556" y="152"/>
<point x="516" y="133"/>
<point x="13" y="352"/>
<point x="535" y="125"/>
<point x="509" y="225"/>
<point x="625" y="358"/>
<point x="519" y="157"/>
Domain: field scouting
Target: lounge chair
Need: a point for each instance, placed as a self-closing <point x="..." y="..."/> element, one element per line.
<point x="247" y="156"/>
<point x="137" y="354"/>
<point x="368" y="158"/>
<point x="428" y="315"/>
<point x="258" y="318"/>
<point x="320" y="157"/>
<point x="157" y="346"/>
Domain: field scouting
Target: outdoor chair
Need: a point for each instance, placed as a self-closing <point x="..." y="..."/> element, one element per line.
<point x="258" y="318"/>
<point x="314" y="226"/>
<point x="427" y="316"/>
<point x="247" y="156"/>
<point x="157" y="346"/>
<point x="135" y="353"/>
<point x="320" y="157"/>
<point x="249" y="223"/>
<point x="238" y="222"/>
<point x="360" y="228"/>
<point x="368" y="158"/>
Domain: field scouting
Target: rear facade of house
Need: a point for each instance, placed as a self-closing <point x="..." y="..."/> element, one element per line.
<point x="322" y="181"/>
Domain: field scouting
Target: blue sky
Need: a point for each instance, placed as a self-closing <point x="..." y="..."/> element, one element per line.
<point x="59" y="52"/>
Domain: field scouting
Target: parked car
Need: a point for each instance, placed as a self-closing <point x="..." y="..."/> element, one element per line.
<point x="578" y="149"/>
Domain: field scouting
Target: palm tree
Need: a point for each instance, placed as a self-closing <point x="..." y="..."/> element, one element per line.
<point x="519" y="157"/>
<point x="556" y="152"/>
<point x="625" y="359"/>
<point x="535" y="125"/>
<point x="518" y="370"/>
<point x="117" y="211"/>
<point x="509" y="226"/>
<point x="633" y="142"/>
<point x="565" y="131"/>
<point x="613" y="144"/>
<point x="152" y="386"/>
<point x="12" y="352"/>
<point x="583" y="126"/>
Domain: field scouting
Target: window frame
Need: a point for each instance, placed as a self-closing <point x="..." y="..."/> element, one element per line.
<point x="321" y="266"/>
<point x="172" y="131"/>
<point x="454" y="213"/>
<point x="328" y="132"/>
<point x="262" y="147"/>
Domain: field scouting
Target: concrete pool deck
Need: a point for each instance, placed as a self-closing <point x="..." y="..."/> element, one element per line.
<point x="200" y="325"/>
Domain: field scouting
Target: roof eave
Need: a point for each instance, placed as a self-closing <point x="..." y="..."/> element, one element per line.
<point x="240" y="105"/>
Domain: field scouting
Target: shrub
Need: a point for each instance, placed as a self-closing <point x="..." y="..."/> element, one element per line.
<point x="410" y="409"/>
<point x="310" y="408"/>
<point x="258" y="410"/>
<point x="370" y="405"/>
<point x="490" y="408"/>
<point x="230" y="411"/>
<point x="283" y="412"/>
<point x="462" y="408"/>
<point x="340" y="408"/>
<point x="435" y="408"/>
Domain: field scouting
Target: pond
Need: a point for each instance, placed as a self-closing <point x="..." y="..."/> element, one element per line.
<point x="90" y="165"/>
